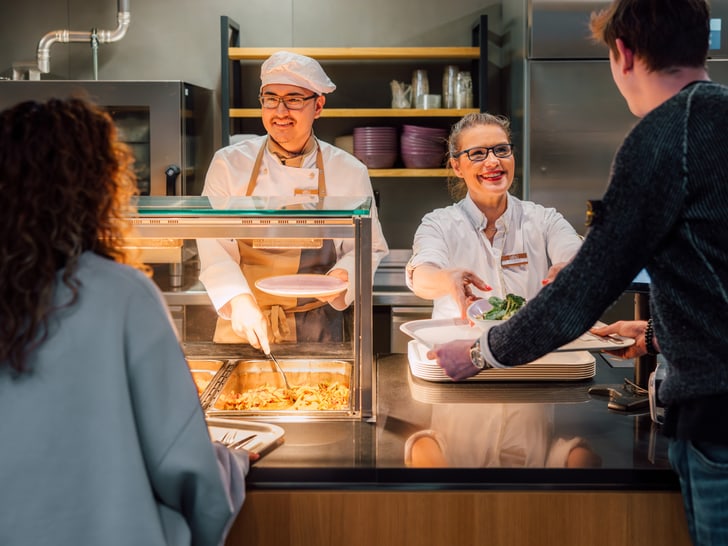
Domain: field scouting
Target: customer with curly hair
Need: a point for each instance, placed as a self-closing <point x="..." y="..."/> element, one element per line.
<point x="103" y="437"/>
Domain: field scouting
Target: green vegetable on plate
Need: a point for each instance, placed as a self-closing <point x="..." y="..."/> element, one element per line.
<point x="504" y="308"/>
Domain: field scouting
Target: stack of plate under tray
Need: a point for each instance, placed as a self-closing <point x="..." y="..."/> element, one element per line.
<point x="498" y="392"/>
<point x="559" y="366"/>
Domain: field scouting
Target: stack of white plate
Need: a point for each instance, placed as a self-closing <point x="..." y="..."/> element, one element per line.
<point x="376" y="147"/>
<point x="559" y="366"/>
<point x="423" y="147"/>
<point x="497" y="392"/>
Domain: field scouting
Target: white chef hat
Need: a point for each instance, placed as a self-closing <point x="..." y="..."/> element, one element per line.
<point x="292" y="69"/>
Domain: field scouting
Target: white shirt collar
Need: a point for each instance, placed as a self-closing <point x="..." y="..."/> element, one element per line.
<point x="476" y="216"/>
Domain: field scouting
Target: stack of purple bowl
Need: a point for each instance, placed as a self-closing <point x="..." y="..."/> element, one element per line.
<point x="423" y="147"/>
<point x="376" y="147"/>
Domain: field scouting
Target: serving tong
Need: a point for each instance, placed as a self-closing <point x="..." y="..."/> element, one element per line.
<point x="280" y="370"/>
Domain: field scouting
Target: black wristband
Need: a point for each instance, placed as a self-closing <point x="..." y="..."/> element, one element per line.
<point x="650" y="339"/>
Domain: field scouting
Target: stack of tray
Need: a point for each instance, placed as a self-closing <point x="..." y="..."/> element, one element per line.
<point x="559" y="366"/>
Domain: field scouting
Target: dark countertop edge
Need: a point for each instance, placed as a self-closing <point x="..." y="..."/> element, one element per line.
<point x="475" y="479"/>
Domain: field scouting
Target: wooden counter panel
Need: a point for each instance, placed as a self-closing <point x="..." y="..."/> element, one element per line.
<point x="459" y="518"/>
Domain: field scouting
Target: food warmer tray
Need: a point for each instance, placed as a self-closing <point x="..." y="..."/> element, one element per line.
<point x="239" y="375"/>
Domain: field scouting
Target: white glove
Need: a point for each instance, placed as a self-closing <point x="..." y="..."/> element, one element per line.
<point x="248" y="321"/>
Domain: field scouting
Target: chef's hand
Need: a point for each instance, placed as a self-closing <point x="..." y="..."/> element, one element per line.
<point x="460" y="281"/>
<point x="628" y="328"/>
<point x="337" y="301"/>
<point x="431" y="282"/>
<point x="454" y="359"/>
<point x="248" y="321"/>
<point x="553" y="271"/>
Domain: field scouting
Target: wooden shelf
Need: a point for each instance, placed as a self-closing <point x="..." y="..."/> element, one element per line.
<point x="361" y="53"/>
<point x="410" y="173"/>
<point x="369" y="112"/>
<point x="233" y="56"/>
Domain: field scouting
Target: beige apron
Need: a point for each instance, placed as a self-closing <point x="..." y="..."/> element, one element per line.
<point x="259" y="263"/>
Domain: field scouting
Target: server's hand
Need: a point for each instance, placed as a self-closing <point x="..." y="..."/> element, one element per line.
<point x="337" y="301"/>
<point x="431" y="282"/>
<point x="459" y="282"/>
<point x="553" y="271"/>
<point x="248" y="321"/>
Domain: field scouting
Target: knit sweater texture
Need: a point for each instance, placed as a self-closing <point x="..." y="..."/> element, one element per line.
<point x="665" y="209"/>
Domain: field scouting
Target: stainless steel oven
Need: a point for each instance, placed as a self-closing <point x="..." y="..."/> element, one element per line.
<point x="168" y="124"/>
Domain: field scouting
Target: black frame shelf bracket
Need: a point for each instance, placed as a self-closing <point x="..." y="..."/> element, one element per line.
<point x="480" y="66"/>
<point x="230" y="78"/>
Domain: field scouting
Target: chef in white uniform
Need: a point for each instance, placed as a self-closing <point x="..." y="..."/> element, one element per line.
<point x="289" y="161"/>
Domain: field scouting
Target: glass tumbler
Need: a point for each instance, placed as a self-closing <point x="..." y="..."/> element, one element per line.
<point x="449" y="86"/>
<point x="464" y="91"/>
<point x="420" y="86"/>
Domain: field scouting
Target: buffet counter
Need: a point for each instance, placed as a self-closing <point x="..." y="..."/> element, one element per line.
<point x="505" y="475"/>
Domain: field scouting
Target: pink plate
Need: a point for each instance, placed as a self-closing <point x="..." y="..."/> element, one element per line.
<point x="302" y="286"/>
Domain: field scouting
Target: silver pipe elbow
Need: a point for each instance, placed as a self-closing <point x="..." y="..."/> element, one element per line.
<point x="106" y="36"/>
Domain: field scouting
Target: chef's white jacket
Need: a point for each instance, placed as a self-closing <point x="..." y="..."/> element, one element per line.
<point x="529" y="240"/>
<point x="228" y="175"/>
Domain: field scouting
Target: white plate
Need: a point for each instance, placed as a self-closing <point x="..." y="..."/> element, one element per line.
<point x="302" y="286"/>
<point x="431" y="332"/>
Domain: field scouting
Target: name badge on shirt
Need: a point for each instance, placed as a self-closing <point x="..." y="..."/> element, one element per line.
<point x="514" y="260"/>
<point x="305" y="191"/>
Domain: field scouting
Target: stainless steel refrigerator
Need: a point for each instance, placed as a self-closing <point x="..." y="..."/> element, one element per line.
<point x="568" y="116"/>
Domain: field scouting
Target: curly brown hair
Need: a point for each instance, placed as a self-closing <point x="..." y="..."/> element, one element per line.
<point x="66" y="184"/>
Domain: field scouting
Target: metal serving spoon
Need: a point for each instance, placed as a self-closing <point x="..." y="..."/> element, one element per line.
<point x="280" y="370"/>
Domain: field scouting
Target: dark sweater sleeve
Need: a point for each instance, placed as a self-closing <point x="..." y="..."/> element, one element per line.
<point x="640" y="207"/>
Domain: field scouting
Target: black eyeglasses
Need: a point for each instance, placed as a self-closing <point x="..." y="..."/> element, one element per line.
<point x="291" y="102"/>
<point x="480" y="153"/>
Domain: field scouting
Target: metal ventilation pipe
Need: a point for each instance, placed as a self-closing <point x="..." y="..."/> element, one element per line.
<point x="123" y="18"/>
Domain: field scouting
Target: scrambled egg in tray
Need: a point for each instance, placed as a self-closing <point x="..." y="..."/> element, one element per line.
<point x="315" y="386"/>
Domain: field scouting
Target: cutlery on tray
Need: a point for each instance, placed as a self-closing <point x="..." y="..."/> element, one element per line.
<point x="611" y="338"/>
<point x="237" y="444"/>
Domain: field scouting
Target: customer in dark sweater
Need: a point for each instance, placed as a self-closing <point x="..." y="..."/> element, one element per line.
<point x="666" y="210"/>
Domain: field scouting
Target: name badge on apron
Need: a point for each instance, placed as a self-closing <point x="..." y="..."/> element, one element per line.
<point x="514" y="260"/>
<point x="306" y="191"/>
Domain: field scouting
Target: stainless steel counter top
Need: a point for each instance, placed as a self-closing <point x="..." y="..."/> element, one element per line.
<point x="629" y="451"/>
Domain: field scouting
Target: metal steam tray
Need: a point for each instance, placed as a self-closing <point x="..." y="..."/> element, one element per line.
<point x="239" y="375"/>
<point x="204" y="372"/>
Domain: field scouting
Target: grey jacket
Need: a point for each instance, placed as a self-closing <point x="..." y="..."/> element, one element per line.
<point x="105" y="441"/>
